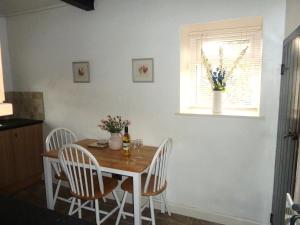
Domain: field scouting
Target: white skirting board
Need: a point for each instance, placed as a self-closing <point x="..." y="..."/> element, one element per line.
<point x="217" y="218"/>
<point x="193" y="212"/>
<point x="196" y="213"/>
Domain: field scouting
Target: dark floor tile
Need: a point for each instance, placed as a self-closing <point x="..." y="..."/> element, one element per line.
<point x="36" y="196"/>
<point x="174" y="219"/>
<point x="201" y="222"/>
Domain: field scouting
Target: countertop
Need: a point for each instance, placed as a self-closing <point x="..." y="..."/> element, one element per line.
<point x="6" y="124"/>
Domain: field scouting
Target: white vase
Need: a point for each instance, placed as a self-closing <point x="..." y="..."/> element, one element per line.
<point x="115" y="141"/>
<point x="217" y="102"/>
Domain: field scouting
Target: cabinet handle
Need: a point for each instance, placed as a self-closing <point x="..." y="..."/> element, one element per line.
<point x="16" y="135"/>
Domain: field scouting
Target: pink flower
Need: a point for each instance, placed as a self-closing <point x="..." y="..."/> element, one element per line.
<point x="113" y="124"/>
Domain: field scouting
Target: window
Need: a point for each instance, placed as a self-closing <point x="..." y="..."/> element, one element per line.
<point x="5" y="108"/>
<point x="237" y="46"/>
<point x="2" y="98"/>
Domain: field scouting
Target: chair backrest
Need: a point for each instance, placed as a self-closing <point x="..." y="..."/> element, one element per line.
<point x="158" y="167"/>
<point x="56" y="139"/>
<point x="80" y="166"/>
<point x="59" y="137"/>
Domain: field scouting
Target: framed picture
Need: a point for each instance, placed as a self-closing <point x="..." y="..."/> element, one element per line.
<point x="81" y="72"/>
<point x="142" y="70"/>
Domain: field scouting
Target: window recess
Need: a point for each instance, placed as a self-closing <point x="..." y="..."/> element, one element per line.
<point x="242" y="90"/>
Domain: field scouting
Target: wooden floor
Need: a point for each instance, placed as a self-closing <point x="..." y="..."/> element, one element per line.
<point x="36" y="195"/>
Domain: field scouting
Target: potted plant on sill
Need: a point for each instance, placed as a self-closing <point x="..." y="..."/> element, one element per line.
<point x="114" y="125"/>
<point x="218" y="77"/>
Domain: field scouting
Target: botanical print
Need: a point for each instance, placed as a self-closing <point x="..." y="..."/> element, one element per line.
<point x="81" y="72"/>
<point x="142" y="70"/>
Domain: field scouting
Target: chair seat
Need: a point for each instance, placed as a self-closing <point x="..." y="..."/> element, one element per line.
<point x="109" y="185"/>
<point x="127" y="185"/>
<point x="62" y="176"/>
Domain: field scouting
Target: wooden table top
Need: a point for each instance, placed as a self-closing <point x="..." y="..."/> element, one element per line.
<point x="138" y="161"/>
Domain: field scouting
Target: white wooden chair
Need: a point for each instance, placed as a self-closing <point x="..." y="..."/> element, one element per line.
<point x="292" y="210"/>
<point x="86" y="181"/>
<point x="55" y="140"/>
<point x="153" y="183"/>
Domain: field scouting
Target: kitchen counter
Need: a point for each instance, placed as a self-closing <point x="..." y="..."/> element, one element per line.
<point x="6" y="124"/>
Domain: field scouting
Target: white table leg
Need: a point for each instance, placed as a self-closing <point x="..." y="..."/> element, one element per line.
<point x="137" y="198"/>
<point x="48" y="182"/>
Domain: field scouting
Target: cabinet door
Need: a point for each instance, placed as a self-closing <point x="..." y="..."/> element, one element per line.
<point x="33" y="146"/>
<point x="27" y="147"/>
<point x="7" y="165"/>
<point x="20" y="154"/>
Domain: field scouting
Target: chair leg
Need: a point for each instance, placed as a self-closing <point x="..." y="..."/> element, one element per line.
<point x="166" y="202"/>
<point x="116" y="198"/>
<point x="121" y="208"/>
<point x="162" y="204"/>
<point x="97" y="212"/>
<point x="72" y="206"/>
<point x="56" y="192"/>
<point x="79" y="209"/>
<point x="118" y="201"/>
<point x="152" y="210"/>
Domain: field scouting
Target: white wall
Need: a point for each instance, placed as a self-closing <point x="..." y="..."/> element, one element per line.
<point x="220" y="165"/>
<point x="5" y="55"/>
<point x="292" y="16"/>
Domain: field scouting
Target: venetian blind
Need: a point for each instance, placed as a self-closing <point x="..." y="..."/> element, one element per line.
<point x="243" y="87"/>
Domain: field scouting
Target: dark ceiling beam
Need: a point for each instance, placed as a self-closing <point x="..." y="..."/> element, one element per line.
<point x="87" y="5"/>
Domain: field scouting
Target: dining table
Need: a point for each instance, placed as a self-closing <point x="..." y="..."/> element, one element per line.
<point x="110" y="161"/>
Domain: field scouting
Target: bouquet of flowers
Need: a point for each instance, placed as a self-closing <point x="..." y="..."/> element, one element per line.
<point x="218" y="76"/>
<point x="113" y="124"/>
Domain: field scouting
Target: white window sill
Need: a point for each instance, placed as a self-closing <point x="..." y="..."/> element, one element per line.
<point x="225" y="113"/>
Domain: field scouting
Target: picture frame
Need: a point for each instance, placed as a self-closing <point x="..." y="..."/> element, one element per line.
<point x="81" y="72"/>
<point x="143" y="70"/>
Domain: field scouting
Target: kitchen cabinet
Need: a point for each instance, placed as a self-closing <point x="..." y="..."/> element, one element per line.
<point x="20" y="157"/>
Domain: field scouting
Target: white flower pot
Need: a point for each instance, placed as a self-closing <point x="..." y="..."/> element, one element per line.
<point x="217" y="102"/>
<point x="115" y="141"/>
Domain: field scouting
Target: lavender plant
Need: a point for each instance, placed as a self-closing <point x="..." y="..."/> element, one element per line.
<point x="113" y="124"/>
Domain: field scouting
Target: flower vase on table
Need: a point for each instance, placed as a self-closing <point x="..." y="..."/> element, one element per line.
<point x="115" y="141"/>
<point x="114" y="125"/>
